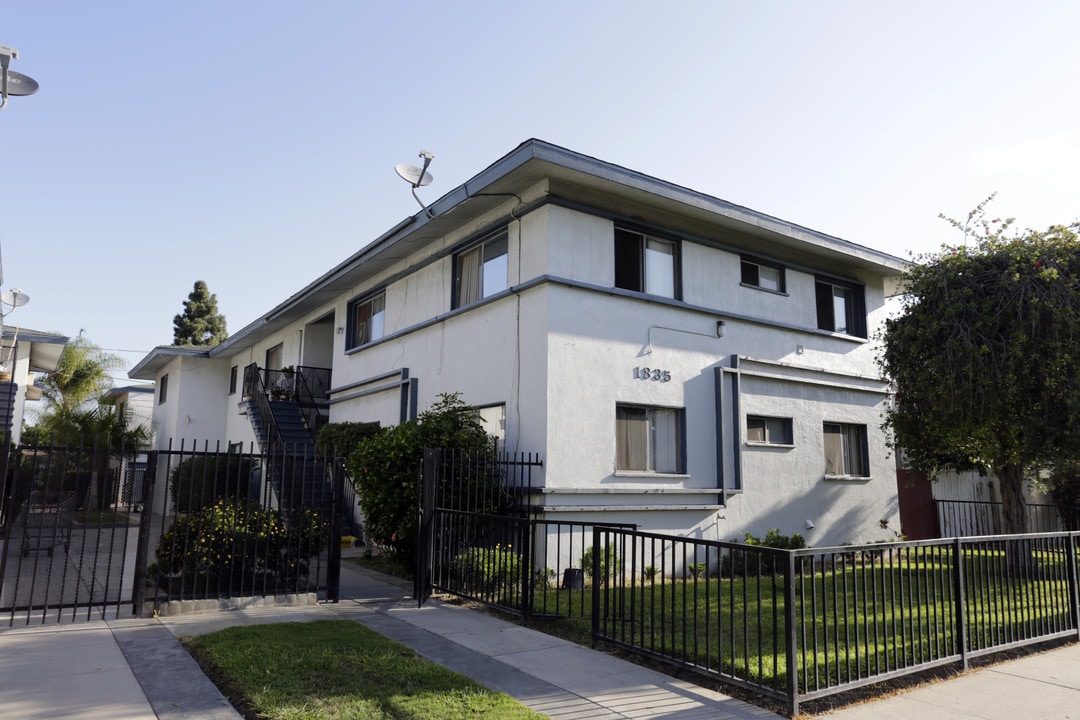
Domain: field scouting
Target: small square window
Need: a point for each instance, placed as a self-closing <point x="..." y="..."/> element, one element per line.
<point x="646" y="264"/>
<point x="840" y="308"/>
<point x="846" y="451"/>
<point x="764" y="276"/>
<point x="768" y="430"/>
<point x="367" y="320"/>
<point x="481" y="271"/>
<point x="649" y="439"/>
<point x="163" y="389"/>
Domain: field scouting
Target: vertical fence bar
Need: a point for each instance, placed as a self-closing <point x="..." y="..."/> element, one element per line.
<point x="1073" y="584"/>
<point x="961" y="602"/>
<point x="790" y="644"/>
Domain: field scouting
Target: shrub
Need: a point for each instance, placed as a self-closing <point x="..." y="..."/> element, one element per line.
<point x="650" y="573"/>
<point x="339" y="439"/>
<point x="698" y="570"/>
<point x="489" y="571"/>
<point x="386" y="465"/>
<point x="237" y="544"/>
<point x="610" y="564"/>
<point x="201" y="480"/>
<point x="751" y="563"/>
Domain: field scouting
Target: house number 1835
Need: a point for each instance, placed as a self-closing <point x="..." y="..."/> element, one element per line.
<point x="653" y="374"/>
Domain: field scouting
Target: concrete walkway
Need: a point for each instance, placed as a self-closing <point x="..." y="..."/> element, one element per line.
<point x="135" y="669"/>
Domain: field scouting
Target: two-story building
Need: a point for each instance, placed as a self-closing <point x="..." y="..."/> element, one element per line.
<point x="678" y="361"/>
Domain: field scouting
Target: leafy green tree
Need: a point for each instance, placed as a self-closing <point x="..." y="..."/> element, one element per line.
<point x="386" y="465"/>
<point x="200" y="323"/>
<point x="985" y="356"/>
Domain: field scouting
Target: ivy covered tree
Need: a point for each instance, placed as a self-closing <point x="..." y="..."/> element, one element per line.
<point x="200" y="323"/>
<point x="985" y="356"/>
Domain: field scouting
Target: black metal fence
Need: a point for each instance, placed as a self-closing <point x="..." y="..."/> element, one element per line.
<point x="966" y="518"/>
<point x="802" y="624"/>
<point x="69" y="528"/>
<point x="223" y="524"/>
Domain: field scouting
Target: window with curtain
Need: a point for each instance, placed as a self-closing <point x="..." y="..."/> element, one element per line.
<point x="846" y="453"/>
<point x="481" y="271"/>
<point x="367" y="320"/>
<point x="645" y="264"/>
<point x="649" y="439"/>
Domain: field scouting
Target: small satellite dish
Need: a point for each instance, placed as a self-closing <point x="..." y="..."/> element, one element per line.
<point x="14" y="298"/>
<point x="19" y="84"/>
<point x="417" y="177"/>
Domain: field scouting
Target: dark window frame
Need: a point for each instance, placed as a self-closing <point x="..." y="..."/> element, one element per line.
<point x="767" y="425"/>
<point x="631" y="261"/>
<point x="233" y="374"/>
<point x="352" y="341"/>
<point x="469" y="291"/>
<point x="750" y="275"/>
<point x="825" y="295"/>
<point x="624" y="456"/>
<point x="163" y="389"/>
<point x="850" y="451"/>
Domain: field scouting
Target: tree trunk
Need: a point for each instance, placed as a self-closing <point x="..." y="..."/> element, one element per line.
<point x="1014" y="512"/>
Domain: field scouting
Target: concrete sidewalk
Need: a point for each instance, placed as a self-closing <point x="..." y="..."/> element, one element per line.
<point x="135" y="669"/>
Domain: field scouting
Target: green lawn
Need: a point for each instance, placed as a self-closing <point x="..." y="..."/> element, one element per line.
<point x="334" y="669"/>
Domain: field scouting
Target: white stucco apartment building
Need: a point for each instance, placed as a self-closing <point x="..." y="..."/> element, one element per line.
<point x="678" y="361"/>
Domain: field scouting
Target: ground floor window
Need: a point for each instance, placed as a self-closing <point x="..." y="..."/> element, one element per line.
<point x="846" y="451"/>
<point x="649" y="439"/>
<point x="768" y="430"/>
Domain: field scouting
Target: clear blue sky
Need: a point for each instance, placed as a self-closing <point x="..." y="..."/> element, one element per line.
<point x="252" y="144"/>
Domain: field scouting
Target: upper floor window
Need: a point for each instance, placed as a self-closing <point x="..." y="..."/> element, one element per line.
<point x="840" y="308"/>
<point x="232" y="379"/>
<point x="768" y="430"/>
<point x="649" y="439"/>
<point x="762" y="275"/>
<point x="846" y="452"/>
<point x="481" y="271"/>
<point x="367" y="320"/>
<point x="645" y="264"/>
<point x="163" y="389"/>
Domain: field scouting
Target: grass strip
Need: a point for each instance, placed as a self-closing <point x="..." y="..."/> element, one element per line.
<point x="333" y="669"/>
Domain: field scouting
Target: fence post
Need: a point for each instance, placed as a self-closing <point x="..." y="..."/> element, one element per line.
<point x="596" y="533"/>
<point x="142" y="547"/>
<point x="1074" y="583"/>
<point x="790" y="636"/>
<point x="425" y="539"/>
<point x="529" y="575"/>
<point x="329" y="466"/>
<point x="961" y="614"/>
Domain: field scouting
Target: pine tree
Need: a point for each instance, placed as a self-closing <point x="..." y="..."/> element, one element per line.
<point x="200" y="323"/>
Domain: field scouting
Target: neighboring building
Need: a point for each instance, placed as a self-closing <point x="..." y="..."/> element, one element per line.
<point x="137" y="401"/>
<point x="678" y="361"/>
<point x="22" y="353"/>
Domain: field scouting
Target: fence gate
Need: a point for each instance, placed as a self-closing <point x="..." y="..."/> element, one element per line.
<point x="69" y="533"/>
<point x="473" y="515"/>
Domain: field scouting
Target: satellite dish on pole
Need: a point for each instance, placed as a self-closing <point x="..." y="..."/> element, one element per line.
<point x="413" y="175"/>
<point x="19" y="84"/>
<point x="14" y="297"/>
<point x="12" y="83"/>
<point x="417" y="177"/>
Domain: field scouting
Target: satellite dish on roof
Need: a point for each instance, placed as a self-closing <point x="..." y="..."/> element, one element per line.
<point x="19" y="84"/>
<point x="417" y="177"/>
<point x="413" y="175"/>
<point x="14" y="297"/>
